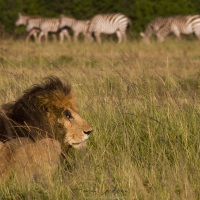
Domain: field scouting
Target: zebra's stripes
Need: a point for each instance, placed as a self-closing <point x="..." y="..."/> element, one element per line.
<point x="77" y="26"/>
<point x="51" y="25"/>
<point x="102" y="23"/>
<point x="109" y="24"/>
<point x="183" y="25"/>
<point x="48" y="25"/>
<point x="38" y="27"/>
<point x="24" y="20"/>
<point x="155" y="27"/>
<point x="177" y="25"/>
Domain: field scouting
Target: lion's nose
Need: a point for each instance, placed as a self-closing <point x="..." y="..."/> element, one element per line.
<point x="88" y="132"/>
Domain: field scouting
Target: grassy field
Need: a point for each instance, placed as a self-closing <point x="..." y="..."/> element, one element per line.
<point x="143" y="102"/>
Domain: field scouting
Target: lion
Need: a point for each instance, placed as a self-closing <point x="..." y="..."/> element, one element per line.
<point x="35" y="127"/>
<point x="47" y="110"/>
<point x="27" y="161"/>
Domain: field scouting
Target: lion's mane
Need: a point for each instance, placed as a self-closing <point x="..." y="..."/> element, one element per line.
<point x="35" y="113"/>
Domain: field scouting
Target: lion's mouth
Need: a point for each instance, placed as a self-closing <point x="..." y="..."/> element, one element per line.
<point x="78" y="145"/>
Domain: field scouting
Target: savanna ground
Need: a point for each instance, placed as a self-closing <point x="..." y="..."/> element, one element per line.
<point x="143" y="102"/>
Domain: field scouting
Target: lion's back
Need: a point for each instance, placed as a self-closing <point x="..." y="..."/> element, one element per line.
<point x="28" y="160"/>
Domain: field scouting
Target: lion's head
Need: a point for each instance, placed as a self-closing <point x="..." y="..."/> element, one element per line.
<point x="45" y="110"/>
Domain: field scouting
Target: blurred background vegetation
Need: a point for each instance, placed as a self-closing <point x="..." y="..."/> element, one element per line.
<point x="139" y="11"/>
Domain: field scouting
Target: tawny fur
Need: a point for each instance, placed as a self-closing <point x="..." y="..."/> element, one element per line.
<point x="28" y="161"/>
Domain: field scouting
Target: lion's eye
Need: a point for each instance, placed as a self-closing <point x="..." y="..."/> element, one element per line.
<point x="67" y="114"/>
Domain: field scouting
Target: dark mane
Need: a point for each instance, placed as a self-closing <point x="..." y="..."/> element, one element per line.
<point x="27" y="116"/>
<point x="50" y="85"/>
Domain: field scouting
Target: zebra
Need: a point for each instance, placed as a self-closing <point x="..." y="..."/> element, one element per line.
<point x="46" y="25"/>
<point x="23" y="20"/>
<point x="34" y="23"/>
<point x="176" y="24"/>
<point x="155" y="27"/>
<point x="109" y="24"/>
<point x="77" y="26"/>
<point x="188" y="24"/>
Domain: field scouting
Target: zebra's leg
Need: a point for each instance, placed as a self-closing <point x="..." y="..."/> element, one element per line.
<point x="125" y="37"/>
<point x="54" y="36"/>
<point x="32" y="33"/>
<point x="197" y="33"/>
<point x="97" y="35"/>
<point x="46" y="36"/>
<point x="29" y="36"/>
<point x="162" y="34"/>
<point x="75" y="36"/>
<point x="66" y="34"/>
<point x="160" y="38"/>
<point x="61" y="37"/>
<point x="40" y="37"/>
<point x="35" y="35"/>
<point x="62" y="34"/>
<point x="198" y="37"/>
<point x="177" y="34"/>
<point x="119" y="36"/>
<point x="89" y="37"/>
<point x="176" y="31"/>
<point x="85" y="37"/>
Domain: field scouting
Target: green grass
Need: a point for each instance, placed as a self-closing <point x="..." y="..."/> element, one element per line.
<point x="143" y="102"/>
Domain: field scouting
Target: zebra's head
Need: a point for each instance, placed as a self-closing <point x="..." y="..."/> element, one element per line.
<point x="22" y="20"/>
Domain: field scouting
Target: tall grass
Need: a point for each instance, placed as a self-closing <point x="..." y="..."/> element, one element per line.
<point x="143" y="102"/>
